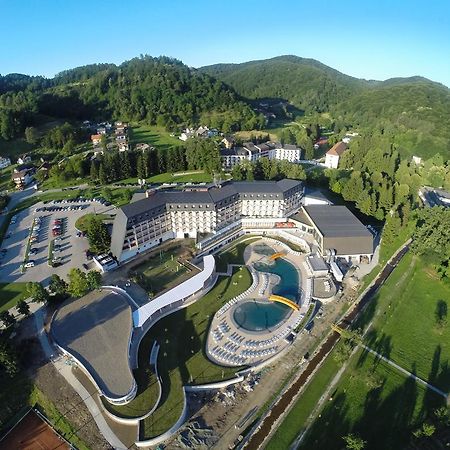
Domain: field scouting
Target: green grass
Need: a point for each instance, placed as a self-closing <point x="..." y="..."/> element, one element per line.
<point x="5" y="178"/>
<point x="289" y="428"/>
<point x="406" y="328"/>
<point x="162" y="271"/>
<point x="153" y="135"/>
<point x="181" y="359"/>
<point x="233" y="255"/>
<point x="82" y="223"/>
<point x="51" y="246"/>
<point x="375" y="401"/>
<point x="192" y="177"/>
<point x="11" y="294"/>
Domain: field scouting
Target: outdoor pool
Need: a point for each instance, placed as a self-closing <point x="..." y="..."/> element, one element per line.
<point x="260" y="315"/>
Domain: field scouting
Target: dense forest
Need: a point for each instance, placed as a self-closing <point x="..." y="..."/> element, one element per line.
<point x="161" y="91"/>
<point x="413" y="111"/>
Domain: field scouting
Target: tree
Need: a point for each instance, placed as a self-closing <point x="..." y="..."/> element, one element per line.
<point x="23" y="308"/>
<point x="94" y="279"/>
<point x="354" y="442"/>
<point x="98" y="236"/>
<point x="58" y="286"/>
<point x="107" y="193"/>
<point x="31" y="135"/>
<point x="8" y="358"/>
<point x="7" y="318"/>
<point x="78" y="284"/>
<point x="102" y="176"/>
<point x="94" y="171"/>
<point x="128" y="195"/>
<point x="37" y="292"/>
<point x="426" y="430"/>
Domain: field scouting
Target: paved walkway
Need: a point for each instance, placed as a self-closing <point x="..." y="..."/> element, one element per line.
<point x="66" y="371"/>
<point x="406" y="372"/>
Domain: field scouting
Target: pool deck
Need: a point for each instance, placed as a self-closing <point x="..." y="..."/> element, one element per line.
<point x="230" y="345"/>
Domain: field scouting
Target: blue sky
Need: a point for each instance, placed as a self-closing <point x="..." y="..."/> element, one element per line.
<point x="375" y="39"/>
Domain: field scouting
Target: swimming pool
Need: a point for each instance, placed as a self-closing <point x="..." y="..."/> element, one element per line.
<point x="260" y="315"/>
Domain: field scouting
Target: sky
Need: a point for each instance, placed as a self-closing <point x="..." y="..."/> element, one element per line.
<point x="376" y="39"/>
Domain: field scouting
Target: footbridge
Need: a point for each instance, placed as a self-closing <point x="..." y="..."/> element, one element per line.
<point x="285" y="301"/>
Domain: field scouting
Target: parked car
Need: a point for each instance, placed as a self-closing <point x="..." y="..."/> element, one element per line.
<point x="33" y="251"/>
<point x="29" y="264"/>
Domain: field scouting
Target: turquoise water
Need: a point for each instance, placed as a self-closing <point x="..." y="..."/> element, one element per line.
<point x="256" y="315"/>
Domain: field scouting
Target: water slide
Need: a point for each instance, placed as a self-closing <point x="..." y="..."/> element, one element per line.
<point x="285" y="301"/>
<point x="276" y="255"/>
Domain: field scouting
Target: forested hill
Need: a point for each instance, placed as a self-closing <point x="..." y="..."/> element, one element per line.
<point x="414" y="111"/>
<point x="306" y="83"/>
<point x="160" y="91"/>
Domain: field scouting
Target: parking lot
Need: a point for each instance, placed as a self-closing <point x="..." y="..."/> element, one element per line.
<point x="70" y="248"/>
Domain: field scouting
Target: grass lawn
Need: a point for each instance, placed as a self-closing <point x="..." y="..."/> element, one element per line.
<point x="5" y="178"/>
<point x="406" y="322"/>
<point x="153" y="135"/>
<point x="191" y="177"/>
<point x="234" y="255"/>
<point x="181" y="360"/>
<point x="162" y="271"/>
<point x="375" y="401"/>
<point x="11" y="294"/>
<point x="83" y="222"/>
<point x="291" y="425"/>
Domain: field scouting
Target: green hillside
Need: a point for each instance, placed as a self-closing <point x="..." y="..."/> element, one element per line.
<point x="414" y="111"/>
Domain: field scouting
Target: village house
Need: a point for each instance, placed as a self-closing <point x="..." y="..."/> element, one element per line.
<point x="332" y="156"/>
<point x="228" y="141"/>
<point x="22" y="178"/>
<point x="96" y="138"/>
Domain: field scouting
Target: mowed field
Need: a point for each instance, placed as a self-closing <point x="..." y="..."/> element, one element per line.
<point x="411" y="324"/>
<point x="153" y="135"/>
<point x="373" y="399"/>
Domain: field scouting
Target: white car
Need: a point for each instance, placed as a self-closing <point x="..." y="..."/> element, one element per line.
<point x="29" y="264"/>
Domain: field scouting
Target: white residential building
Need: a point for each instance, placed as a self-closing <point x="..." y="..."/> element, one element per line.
<point x="332" y="156"/>
<point x="253" y="152"/>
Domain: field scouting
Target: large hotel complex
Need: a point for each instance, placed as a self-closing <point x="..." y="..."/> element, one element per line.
<point x="215" y="215"/>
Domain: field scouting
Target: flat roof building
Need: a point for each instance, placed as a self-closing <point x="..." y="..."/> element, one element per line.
<point x="338" y="231"/>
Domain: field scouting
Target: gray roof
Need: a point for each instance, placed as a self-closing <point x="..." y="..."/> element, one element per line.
<point x="95" y="329"/>
<point x="190" y="199"/>
<point x="336" y="221"/>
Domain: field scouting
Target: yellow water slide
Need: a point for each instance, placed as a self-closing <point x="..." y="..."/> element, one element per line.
<point x="276" y="255"/>
<point x="285" y="301"/>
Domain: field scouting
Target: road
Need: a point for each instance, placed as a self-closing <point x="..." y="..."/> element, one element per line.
<point x="264" y="427"/>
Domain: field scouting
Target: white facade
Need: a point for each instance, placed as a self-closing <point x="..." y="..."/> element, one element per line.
<point x="331" y="161"/>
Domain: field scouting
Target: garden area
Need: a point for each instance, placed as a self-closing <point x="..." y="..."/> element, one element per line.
<point x="181" y="359"/>
<point x="165" y="268"/>
<point x="234" y="254"/>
